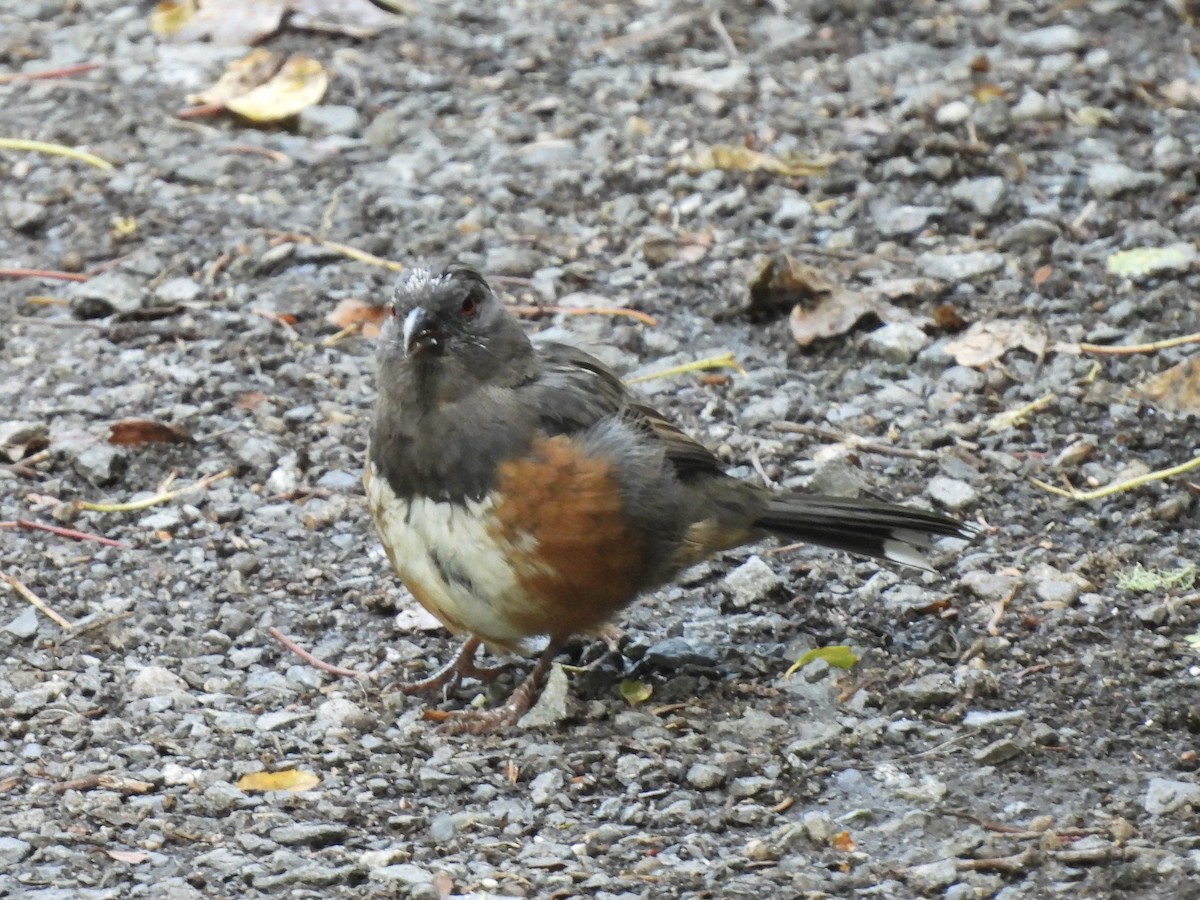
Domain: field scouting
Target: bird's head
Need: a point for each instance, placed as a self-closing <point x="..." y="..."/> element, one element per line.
<point x="448" y="334"/>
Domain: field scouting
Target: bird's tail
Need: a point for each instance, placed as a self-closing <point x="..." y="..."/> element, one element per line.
<point x="865" y="527"/>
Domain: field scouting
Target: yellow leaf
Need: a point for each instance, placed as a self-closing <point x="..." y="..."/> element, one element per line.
<point x="635" y="692"/>
<point x="1148" y="261"/>
<point x="843" y="842"/>
<point x="287" y="780"/>
<point x="735" y="158"/>
<point x="169" y="17"/>
<point x="301" y="83"/>
<point x="839" y="656"/>
<point x="240" y="77"/>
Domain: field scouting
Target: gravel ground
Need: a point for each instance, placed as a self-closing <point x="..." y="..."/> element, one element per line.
<point x="1046" y="748"/>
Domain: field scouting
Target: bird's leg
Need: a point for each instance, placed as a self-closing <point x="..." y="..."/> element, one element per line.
<point x="461" y="665"/>
<point x="485" y="721"/>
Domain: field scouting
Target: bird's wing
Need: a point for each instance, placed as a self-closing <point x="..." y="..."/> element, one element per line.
<point x="573" y="391"/>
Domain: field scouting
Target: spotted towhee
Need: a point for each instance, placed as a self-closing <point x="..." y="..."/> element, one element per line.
<point x="520" y="490"/>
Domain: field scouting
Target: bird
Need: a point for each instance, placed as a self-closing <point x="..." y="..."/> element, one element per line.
<point x="522" y="492"/>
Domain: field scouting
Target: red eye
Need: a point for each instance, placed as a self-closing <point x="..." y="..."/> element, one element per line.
<point x="470" y="305"/>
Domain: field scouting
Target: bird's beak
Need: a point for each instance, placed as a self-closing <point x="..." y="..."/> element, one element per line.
<point x="420" y="333"/>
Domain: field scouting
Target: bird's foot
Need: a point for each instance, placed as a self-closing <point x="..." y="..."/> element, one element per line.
<point x="461" y="665"/>
<point x="520" y="701"/>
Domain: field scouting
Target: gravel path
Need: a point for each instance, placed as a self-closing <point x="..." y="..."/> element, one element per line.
<point x="1020" y="725"/>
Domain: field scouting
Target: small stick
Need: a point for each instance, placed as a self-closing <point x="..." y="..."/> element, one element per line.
<point x="724" y="361"/>
<point x="37" y="601"/>
<point x="317" y="663"/>
<point x="64" y="532"/>
<point x="64" y="72"/>
<point x="829" y="434"/>
<point x="993" y="625"/>
<point x="1012" y="417"/>
<point x="55" y="150"/>
<point x="6" y="272"/>
<point x="163" y="496"/>
<point x="1128" y="484"/>
<point x="718" y="27"/>
<point x="1130" y="349"/>
<point x="534" y="311"/>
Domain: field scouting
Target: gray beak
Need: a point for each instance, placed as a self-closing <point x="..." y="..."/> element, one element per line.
<point x="420" y="332"/>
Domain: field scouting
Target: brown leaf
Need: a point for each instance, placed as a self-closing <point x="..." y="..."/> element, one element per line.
<point x="946" y="317"/>
<point x="1177" y="390"/>
<point x="350" y="312"/>
<point x="134" y="432"/>
<point x="843" y="842"/>
<point x="784" y="282"/>
<point x="1042" y="275"/>
<point x="986" y="342"/>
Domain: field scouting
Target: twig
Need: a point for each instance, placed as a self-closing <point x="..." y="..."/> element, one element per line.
<point x="10" y="272"/>
<point x="1131" y="349"/>
<point x="724" y="361"/>
<point x="163" y="496"/>
<point x="858" y="443"/>
<point x="636" y="39"/>
<point x="1011" y="417"/>
<point x="718" y="27"/>
<point x="318" y="663"/>
<point x="45" y="74"/>
<point x="993" y="625"/>
<point x="1118" y="487"/>
<point x="535" y="311"/>
<point x="24" y="467"/>
<point x="55" y="150"/>
<point x="345" y="250"/>
<point x="64" y="532"/>
<point x="1007" y="865"/>
<point x="105" y="781"/>
<point x="37" y="601"/>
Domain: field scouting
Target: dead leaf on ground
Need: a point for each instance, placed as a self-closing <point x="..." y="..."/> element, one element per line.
<point x="233" y="23"/>
<point x="133" y="857"/>
<point x="240" y="77"/>
<point x="689" y="247"/>
<point x="230" y="23"/>
<point x="736" y="158"/>
<point x="783" y="282"/>
<point x="1153" y="262"/>
<point x="134" y="432"/>
<point x="351" y="311"/>
<point x="1177" y="390"/>
<point x="986" y="342"/>
<point x="21" y="439"/>
<point x="299" y="84"/>
<point x="416" y="618"/>
<point x="287" y="780"/>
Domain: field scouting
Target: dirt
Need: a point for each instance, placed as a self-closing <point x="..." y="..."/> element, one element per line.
<point x="1023" y="723"/>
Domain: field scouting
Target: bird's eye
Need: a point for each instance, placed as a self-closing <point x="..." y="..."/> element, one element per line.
<point x="470" y="305"/>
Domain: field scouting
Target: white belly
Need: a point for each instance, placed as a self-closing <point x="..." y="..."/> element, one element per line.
<point x="463" y="575"/>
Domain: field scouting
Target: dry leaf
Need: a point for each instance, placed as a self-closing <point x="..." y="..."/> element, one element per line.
<point x="635" y="692"/>
<point x="134" y="432"/>
<point x="946" y="317"/>
<point x="986" y="342"/>
<point x="350" y="312"/>
<point x="416" y="618"/>
<point x="21" y="439"/>
<point x="843" y="842"/>
<point x="287" y="780"/>
<point x="1177" y="390"/>
<point x="229" y="23"/>
<point x="1148" y="262"/>
<point x="784" y="282"/>
<point x="356" y="18"/>
<point x="1042" y="275"/>
<point x="736" y="158"/>
<point x="301" y="83"/>
<point x="133" y="857"/>
<point x="240" y="77"/>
